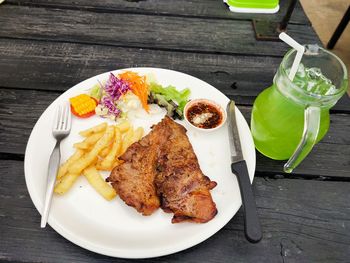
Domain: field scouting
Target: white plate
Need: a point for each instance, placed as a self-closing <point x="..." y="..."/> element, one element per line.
<point x="112" y="228"/>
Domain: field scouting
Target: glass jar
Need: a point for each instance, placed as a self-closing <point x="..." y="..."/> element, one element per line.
<point x="288" y="118"/>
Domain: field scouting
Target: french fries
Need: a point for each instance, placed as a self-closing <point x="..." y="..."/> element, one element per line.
<point x="64" y="167"/>
<point x="105" y="151"/>
<point x="127" y="141"/>
<point x="96" y="129"/>
<point x="89" y="141"/>
<point x="65" y="183"/>
<point x="88" y="158"/>
<point x="97" y="182"/>
<point x="124" y="126"/>
<point x="137" y="135"/>
<point x="99" y="151"/>
<point x="108" y="161"/>
<point x="131" y="136"/>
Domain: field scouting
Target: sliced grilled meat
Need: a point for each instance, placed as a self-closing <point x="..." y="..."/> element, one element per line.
<point x="134" y="178"/>
<point x="162" y="170"/>
<point x="180" y="183"/>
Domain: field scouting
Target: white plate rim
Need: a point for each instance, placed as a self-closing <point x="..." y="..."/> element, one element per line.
<point x="121" y="253"/>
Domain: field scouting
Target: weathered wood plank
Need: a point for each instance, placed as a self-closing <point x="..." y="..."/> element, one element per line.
<point x="302" y="221"/>
<point x="200" y="8"/>
<point x="143" y="31"/>
<point x="331" y="157"/>
<point x="325" y="160"/>
<point x="58" y="66"/>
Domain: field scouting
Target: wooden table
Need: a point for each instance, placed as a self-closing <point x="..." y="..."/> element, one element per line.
<point x="48" y="46"/>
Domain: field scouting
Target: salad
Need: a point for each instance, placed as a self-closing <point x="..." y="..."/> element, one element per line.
<point x="128" y="92"/>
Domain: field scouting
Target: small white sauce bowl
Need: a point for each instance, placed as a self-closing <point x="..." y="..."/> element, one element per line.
<point x="205" y="101"/>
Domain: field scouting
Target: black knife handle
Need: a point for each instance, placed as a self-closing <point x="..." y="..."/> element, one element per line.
<point x="252" y="226"/>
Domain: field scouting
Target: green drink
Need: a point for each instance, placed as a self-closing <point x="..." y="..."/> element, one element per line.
<point x="288" y="118"/>
<point x="277" y="124"/>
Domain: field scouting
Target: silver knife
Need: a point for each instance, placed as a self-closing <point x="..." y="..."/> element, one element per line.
<point x="252" y="226"/>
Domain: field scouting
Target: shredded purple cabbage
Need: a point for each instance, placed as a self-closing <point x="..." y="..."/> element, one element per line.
<point x="116" y="87"/>
<point x="109" y="104"/>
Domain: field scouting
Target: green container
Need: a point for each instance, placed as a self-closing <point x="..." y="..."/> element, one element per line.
<point x="253" y="6"/>
<point x="290" y="117"/>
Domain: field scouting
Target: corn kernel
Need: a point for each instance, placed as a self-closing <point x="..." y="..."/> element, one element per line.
<point x="83" y="104"/>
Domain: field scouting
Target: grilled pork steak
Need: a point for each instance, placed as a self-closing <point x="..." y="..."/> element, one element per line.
<point x="134" y="179"/>
<point x="162" y="170"/>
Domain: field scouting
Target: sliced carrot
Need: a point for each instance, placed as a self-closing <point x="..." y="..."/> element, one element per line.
<point x="138" y="86"/>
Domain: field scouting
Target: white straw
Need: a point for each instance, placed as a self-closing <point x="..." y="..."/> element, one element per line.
<point x="300" y="51"/>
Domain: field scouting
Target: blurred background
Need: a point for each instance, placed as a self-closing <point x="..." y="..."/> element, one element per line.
<point x="325" y="16"/>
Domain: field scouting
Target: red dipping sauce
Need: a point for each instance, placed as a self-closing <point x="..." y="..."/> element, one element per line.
<point x="204" y="114"/>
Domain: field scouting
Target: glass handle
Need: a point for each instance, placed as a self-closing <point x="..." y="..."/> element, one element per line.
<point x="312" y="116"/>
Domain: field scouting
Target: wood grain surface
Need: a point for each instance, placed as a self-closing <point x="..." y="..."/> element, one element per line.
<point x="28" y="64"/>
<point x="330" y="157"/>
<point x="142" y="31"/>
<point x="46" y="47"/>
<point x="302" y="221"/>
<point x="195" y="8"/>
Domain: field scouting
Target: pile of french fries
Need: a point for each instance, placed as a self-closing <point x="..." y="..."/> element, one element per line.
<point x="99" y="151"/>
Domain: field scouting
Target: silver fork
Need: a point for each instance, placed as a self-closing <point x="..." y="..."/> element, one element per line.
<point x="60" y="130"/>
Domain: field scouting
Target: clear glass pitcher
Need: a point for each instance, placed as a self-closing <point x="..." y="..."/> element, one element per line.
<point x="288" y="118"/>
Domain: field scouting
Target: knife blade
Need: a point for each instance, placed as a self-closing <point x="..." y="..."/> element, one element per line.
<point x="252" y="228"/>
<point x="235" y="143"/>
